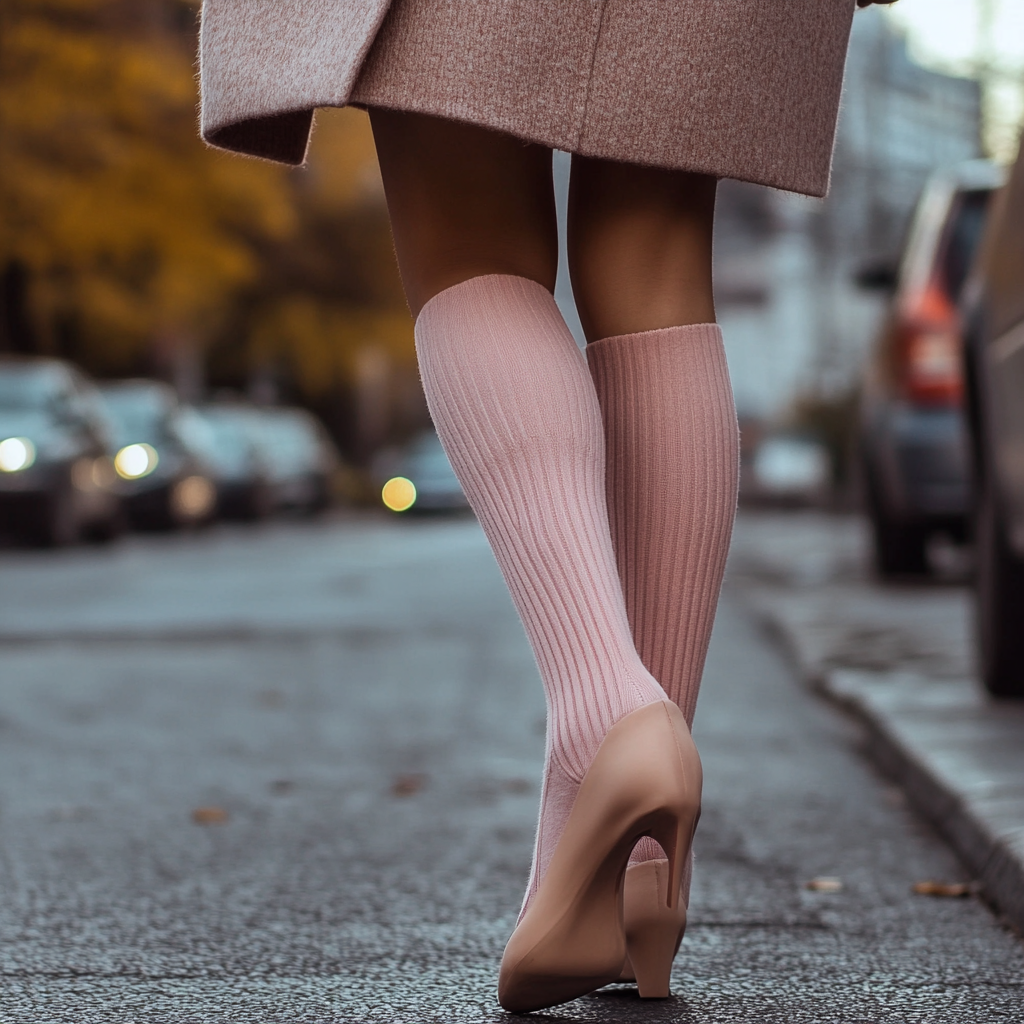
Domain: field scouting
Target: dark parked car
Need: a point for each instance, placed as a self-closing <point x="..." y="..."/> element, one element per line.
<point x="994" y="314"/>
<point x="241" y="472"/>
<point x="419" y="478"/>
<point x="56" y="470"/>
<point x="163" y="476"/>
<point x="912" y="429"/>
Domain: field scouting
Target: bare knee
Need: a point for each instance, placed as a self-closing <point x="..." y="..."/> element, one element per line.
<point x="464" y="201"/>
<point x="640" y="247"/>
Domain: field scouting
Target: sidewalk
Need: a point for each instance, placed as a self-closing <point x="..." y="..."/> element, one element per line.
<point x="899" y="658"/>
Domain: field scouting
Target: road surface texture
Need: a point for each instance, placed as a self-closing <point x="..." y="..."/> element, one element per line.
<point x="901" y="658"/>
<point x="290" y="775"/>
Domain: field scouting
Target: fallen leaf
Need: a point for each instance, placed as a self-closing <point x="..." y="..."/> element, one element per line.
<point x="517" y="786"/>
<point x="955" y="889"/>
<point x="894" y="796"/>
<point x="209" y="816"/>
<point x="69" y="813"/>
<point x="824" y="884"/>
<point x="406" y="785"/>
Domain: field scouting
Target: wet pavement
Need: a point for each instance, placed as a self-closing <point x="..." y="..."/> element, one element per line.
<point x="350" y="713"/>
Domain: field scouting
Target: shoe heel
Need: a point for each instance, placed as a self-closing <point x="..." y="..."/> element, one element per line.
<point x="653" y="931"/>
<point x="654" y="915"/>
<point x="651" y="955"/>
<point x="668" y="835"/>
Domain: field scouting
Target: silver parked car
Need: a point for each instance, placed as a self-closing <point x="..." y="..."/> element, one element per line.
<point x="241" y="471"/>
<point x="300" y="458"/>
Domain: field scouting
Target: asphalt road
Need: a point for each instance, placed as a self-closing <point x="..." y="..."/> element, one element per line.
<point x="352" y="709"/>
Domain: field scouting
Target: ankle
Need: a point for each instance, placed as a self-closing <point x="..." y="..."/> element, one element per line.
<point x="576" y="729"/>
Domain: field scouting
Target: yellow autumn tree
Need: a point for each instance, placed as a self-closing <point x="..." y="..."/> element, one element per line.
<point x="124" y="239"/>
<point x="118" y="217"/>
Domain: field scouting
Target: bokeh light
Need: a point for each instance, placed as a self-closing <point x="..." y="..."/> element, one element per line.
<point x="399" y="494"/>
<point x="136" y="460"/>
<point x="16" y="453"/>
<point x="193" y="498"/>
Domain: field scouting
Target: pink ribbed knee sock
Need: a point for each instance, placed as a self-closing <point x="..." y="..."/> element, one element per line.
<point x="672" y="475"/>
<point x="515" y="408"/>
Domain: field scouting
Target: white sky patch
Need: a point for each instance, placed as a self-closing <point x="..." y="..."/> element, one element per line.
<point x="947" y="32"/>
<point x="949" y="36"/>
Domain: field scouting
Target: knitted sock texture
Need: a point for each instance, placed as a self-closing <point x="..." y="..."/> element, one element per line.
<point x="672" y="480"/>
<point x="516" y="411"/>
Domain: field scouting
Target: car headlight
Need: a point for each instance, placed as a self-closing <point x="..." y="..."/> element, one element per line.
<point x="136" y="460"/>
<point x="16" y="453"/>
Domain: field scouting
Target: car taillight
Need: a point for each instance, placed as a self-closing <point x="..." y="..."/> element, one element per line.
<point x="932" y="368"/>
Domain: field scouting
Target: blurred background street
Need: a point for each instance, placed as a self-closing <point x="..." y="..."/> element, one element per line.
<point x="292" y="775"/>
<point x="270" y="732"/>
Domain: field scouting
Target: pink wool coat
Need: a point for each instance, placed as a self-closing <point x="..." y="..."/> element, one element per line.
<point x="743" y="89"/>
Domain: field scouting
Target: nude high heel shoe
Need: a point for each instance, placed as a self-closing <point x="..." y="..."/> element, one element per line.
<point x="644" y="781"/>
<point x="653" y="929"/>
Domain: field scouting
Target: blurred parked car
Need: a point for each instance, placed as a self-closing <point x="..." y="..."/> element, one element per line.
<point x="56" y="470"/>
<point x="419" y="478"/>
<point x="994" y="314"/>
<point x="300" y="458"/>
<point x="164" y="477"/>
<point x="240" y="468"/>
<point x="912" y="431"/>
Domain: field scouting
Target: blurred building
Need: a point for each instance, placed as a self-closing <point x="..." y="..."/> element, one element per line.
<point x="794" y="320"/>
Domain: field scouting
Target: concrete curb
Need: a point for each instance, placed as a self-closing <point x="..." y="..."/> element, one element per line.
<point x="958" y="756"/>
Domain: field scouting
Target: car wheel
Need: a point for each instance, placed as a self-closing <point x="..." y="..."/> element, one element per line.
<point x="999" y="603"/>
<point x="110" y="528"/>
<point x="56" y="524"/>
<point x="257" y="503"/>
<point x="900" y="550"/>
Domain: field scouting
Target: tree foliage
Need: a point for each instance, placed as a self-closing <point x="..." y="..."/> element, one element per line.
<point x="129" y="235"/>
<point x="124" y="223"/>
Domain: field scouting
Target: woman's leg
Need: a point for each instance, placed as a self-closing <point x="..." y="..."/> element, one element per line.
<point x="464" y="202"/>
<point x="640" y="259"/>
<point x="639" y="247"/>
<point x="513" y="402"/>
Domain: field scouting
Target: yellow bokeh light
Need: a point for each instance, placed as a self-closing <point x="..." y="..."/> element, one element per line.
<point x="399" y="494"/>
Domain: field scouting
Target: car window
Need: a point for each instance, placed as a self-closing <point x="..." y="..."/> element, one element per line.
<point x="194" y="431"/>
<point x="83" y="399"/>
<point x="27" y="389"/>
<point x="962" y="239"/>
<point x="137" y="414"/>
